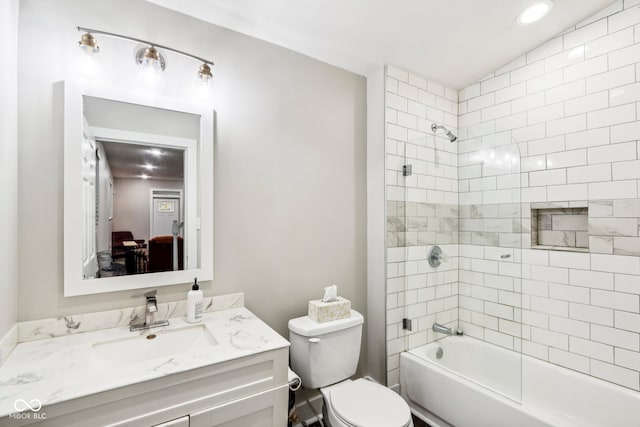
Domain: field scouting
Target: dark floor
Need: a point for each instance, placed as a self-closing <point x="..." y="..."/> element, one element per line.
<point x="417" y="422"/>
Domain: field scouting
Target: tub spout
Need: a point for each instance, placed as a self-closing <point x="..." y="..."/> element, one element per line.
<point x="437" y="327"/>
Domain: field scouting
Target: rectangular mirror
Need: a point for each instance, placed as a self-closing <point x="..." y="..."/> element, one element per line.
<point x="138" y="191"/>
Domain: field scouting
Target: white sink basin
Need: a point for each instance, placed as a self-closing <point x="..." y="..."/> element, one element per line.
<point x="154" y="344"/>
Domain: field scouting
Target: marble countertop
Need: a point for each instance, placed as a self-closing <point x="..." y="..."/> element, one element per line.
<point x="58" y="369"/>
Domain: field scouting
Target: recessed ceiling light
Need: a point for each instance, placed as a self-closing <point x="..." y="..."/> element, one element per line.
<point x="534" y="12"/>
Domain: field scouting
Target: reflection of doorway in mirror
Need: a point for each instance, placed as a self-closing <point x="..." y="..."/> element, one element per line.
<point x="166" y="208"/>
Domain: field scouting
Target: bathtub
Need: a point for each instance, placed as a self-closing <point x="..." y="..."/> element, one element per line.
<point x="445" y="391"/>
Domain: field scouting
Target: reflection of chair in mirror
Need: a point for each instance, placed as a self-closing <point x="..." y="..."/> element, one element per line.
<point x="161" y="254"/>
<point x="118" y="249"/>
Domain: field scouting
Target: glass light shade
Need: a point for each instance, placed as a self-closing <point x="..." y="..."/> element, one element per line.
<point x="88" y="44"/>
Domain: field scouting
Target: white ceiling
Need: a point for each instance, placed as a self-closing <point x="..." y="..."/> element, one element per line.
<point x="453" y="42"/>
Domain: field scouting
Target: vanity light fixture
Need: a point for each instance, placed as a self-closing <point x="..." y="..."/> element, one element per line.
<point x="144" y="176"/>
<point x="149" y="166"/>
<point x="156" y="152"/>
<point x="88" y="44"/>
<point x="147" y="57"/>
<point x="535" y="12"/>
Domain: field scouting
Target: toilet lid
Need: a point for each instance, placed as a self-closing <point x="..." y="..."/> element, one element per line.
<point x="364" y="403"/>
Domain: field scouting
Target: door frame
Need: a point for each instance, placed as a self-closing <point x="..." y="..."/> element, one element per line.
<point x="164" y="193"/>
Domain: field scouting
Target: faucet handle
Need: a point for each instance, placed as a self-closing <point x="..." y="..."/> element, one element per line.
<point x="149" y="294"/>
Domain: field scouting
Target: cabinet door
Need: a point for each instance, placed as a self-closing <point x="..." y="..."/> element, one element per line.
<point x="178" y="422"/>
<point x="266" y="409"/>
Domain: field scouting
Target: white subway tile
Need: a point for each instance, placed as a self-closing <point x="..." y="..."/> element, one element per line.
<point x="618" y="77"/>
<point x="627" y="283"/>
<point x="613" y="190"/>
<point x="500" y="339"/>
<point x="625" y="132"/>
<point x="627" y="359"/>
<point x="549" y="306"/>
<point x="616" y="6"/>
<point x="593" y="102"/>
<point x="543" y="114"/>
<point x="498" y="310"/>
<point x="563" y="59"/>
<point x="512" y="92"/>
<point x="621" y="57"/>
<point x="615" y="374"/>
<point x="548" y="177"/>
<point x="611" y="116"/>
<point x="585" y="34"/>
<point x="534" y="318"/>
<point x="567" y="192"/>
<point x="418" y="81"/>
<point x="435" y="88"/>
<point x="407" y="91"/>
<point x="609" y="43"/>
<point x="612" y="153"/>
<point x="511" y="122"/>
<point x="546" y="81"/>
<point x="546" y="145"/>
<point x="535" y="349"/>
<point x="551" y="47"/>
<point x="528" y="102"/>
<point x="616" y="263"/>
<point x="527" y="72"/>
<point x="626" y="170"/>
<point x="592" y="279"/>
<point x="589" y="313"/>
<point x="567" y="159"/>
<point x="481" y="102"/>
<point x="396" y="102"/>
<point x="624" y="94"/>
<point x="588" y="68"/>
<point x="398" y="73"/>
<point x="470" y="91"/>
<point x="589" y="138"/>
<point x="569" y="360"/>
<point x="516" y="63"/>
<point x="592" y="349"/>
<point x="615" y="337"/>
<point x="496" y="111"/>
<point x="426" y="98"/>
<point x="627" y="321"/>
<point x="495" y="83"/>
<point x="567" y="125"/>
<point x="626" y="18"/>
<point x="569" y="260"/>
<point x="566" y="91"/>
<point x="615" y="300"/>
<point x="528" y="133"/>
<point x="593" y="173"/>
<point x="550" y="338"/>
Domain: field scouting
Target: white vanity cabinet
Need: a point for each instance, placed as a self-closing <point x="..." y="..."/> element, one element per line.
<point x="251" y="391"/>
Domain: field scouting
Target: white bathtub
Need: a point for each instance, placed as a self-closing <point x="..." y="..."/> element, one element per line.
<point x="445" y="391"/>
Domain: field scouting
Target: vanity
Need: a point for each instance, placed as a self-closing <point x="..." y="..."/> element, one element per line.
<point x="228" y="370"/>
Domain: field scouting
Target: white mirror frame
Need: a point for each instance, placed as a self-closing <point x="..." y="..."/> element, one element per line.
<point x="74" y="282"/>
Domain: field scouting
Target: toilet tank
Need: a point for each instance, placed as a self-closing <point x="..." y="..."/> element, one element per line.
<point x="325" y="353"/>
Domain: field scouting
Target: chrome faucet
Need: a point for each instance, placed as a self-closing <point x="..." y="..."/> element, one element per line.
<point x="151" y="308"/>
<point x="437" y="327"/>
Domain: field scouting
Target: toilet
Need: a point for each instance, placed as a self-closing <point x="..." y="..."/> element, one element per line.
<point x="325" y="355"/>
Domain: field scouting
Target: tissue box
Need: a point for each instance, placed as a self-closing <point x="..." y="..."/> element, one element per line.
<point x="327" y="311"/>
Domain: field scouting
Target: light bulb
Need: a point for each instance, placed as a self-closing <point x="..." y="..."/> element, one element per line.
<point x="535" y="12"/>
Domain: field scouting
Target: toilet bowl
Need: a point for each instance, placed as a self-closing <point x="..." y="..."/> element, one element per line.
<point x="363" y="403"/>
<point x="325" y="355"/>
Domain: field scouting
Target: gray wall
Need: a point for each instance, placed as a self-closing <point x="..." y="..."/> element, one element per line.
<point x="8" y="170"/>
<point x="290" y="201"/>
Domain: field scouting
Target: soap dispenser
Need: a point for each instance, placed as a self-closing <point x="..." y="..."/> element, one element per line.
<point x="194" y="303"/>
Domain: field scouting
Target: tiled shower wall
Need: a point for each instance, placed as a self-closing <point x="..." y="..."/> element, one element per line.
<point x="573" y="108"/>
<point x="422" y="210"/>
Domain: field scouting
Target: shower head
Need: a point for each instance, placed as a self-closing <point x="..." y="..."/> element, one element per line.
<point x="450" y="135"/>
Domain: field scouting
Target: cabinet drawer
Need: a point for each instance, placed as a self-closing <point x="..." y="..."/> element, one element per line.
<point x="266" y="409"/>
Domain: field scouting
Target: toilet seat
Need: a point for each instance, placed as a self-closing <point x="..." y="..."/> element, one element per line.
<point x="363" y="403"/>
